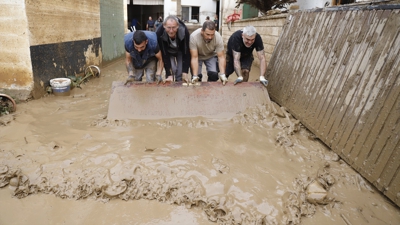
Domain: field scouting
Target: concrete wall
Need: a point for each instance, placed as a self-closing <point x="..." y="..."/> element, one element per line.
<point x="16" y="78"/>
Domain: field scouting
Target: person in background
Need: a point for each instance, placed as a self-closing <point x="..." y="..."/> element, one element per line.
<point x="205" y="46"/>
<point x="134" y="24"/>
<point x="239" y="55"/>
<point x="143" y="55"/>
<point x="216" y="21"/>
<point x="207" y="18"/>
<point x="173" y="39"/>
<point x="150" y="24"/>
<point x="159" y="22"/>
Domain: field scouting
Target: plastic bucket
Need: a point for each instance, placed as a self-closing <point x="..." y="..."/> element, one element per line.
<point x="61" y="86"/>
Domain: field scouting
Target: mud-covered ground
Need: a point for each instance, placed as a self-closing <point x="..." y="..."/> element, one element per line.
<point x="63" y="162"/>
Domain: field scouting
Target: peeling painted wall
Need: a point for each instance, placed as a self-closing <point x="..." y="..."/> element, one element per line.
<point x="112" y="29"/>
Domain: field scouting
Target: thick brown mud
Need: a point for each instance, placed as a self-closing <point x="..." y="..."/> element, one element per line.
<point x="63" y="161"/>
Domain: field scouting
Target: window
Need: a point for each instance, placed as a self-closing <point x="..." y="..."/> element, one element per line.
<point x="190" y="13"/>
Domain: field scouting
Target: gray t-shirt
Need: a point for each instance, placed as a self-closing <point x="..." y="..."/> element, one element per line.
<point x="206" y="50"/>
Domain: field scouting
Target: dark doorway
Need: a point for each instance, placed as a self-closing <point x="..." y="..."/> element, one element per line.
<point x="142" y="13"/>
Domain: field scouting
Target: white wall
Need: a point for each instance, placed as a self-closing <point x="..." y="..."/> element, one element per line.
<point x="310" y="4"/>
<point x="207" y="7"/>
<point x="169" y="8"/>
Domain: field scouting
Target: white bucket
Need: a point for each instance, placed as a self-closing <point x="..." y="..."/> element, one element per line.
<point x="61" y="86"/>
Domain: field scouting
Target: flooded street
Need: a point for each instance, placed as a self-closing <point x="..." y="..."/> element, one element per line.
<point x="63" y="162"/>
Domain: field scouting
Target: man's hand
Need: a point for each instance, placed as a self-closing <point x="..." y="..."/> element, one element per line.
<point x="195" y="79"/>
<point x="264" y="81"/>
<point x="130" y="79"/>
<point x="158" y="79"/>
<point x="170" y="78"/>
<point x="238" y="80"/>
<point x="186" y="78"/>
<point x="223" y="79"/>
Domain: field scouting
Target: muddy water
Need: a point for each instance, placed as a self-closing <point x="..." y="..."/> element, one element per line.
<point x="63" y="162"/>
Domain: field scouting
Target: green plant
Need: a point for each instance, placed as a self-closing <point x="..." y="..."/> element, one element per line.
<point x="90" y="71"/>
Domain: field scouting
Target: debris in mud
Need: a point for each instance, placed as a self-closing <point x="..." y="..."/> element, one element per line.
<point x="316" y="193"/>
<point x="79" y="96"/>
<point x="7" y="105"/>
<point x="5" y="120"/>
<point x="308" y="193"/>
<point x="90" y="71"/>
<point x="149" y="149"/>
<point x="220" y="166"/>
<point x="142" y="183"/>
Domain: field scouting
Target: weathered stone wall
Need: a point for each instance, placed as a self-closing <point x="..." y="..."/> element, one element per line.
<point x="269" y="28"/>
<point x="15" y="62"/>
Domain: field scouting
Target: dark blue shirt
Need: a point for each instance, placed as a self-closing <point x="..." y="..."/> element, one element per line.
<point x="150" y="23"/>
<point x="140" y="60"/>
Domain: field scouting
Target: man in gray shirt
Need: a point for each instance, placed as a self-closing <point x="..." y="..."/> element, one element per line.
<point x="206" y="46"/>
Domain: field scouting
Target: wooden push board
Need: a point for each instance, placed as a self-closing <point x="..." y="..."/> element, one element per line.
<point x="172" y="100"/>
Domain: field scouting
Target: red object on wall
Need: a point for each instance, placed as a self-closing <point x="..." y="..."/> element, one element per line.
<point x="233" y="17"/>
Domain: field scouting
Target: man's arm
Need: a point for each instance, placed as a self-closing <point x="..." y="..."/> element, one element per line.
<point x="221" y="62"/>
<point x="194" y="62"/>
<point x="128" y="63"/>
<point x="263" y="67"/>
<point x="184" y="46"/>
<point x="160" y="63"/>
<point x="263" y="63"/>
<point x="236" y="63"/>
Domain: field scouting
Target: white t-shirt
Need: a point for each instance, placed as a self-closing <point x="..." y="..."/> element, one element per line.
<point x="206" y="50"/>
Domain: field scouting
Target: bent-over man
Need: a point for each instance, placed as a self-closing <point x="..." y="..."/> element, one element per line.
<point x="205" y="46"/>
<point x="239" y="55"/>
<point x="143" y="55"/>
<point x="173" y="39"/>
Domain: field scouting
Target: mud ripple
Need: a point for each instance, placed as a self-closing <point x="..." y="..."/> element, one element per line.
<point x="168" y="188"/>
